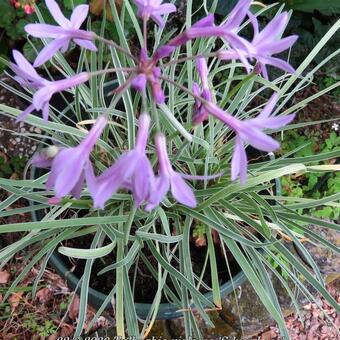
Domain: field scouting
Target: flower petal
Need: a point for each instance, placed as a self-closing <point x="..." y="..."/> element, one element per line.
<point x="163" y="52"/>
<point x="277" y="46"/>
<point x="90" y="140"/>
<point x="23" y="64"/>
<point x="89" y="45"/>
<point x="238" y="14"/>
<point x="273" y="29"/>
<point x="202" y="68"/>
<point x="182" y="191"/>
<point x="24" y="113"/>
<point x="77" y="189"/>
<point x="45" y="111"/>
<point x="227" y="55"/>
<point x="207" y="21"/>
<point x="158" y="19"/>
<point x="42" y="96"/>
<point x="259" y="140"/>
<point x="165" y="9"/>
<point x="281" y="64"/>
<point x="70" y="163"/>
<point x="272" y="122"/>
<point x="112" y="178"/>
<point x="139" y="82"/>
<point x="49" y="51"/>
<point x="79" y="15"/>
<point x="239" y="161"/>
<point x="268" y="109"/>
<point x="45" y="31"/>
<point x="157" y="92"/>
<point x="142" y="180"/>
<point x="56" y="13"/>
<point x="143" y="132"/>
<point x="162" y="184"/>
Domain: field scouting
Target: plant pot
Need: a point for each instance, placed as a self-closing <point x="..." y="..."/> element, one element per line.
<point x="96" y="298"/>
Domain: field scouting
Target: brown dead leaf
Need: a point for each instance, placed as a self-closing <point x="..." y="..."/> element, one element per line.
<point x="44" y="295"/>
<point x="53" y="337"/>
<point x="4" y="276"/>
<point x="14" y="300"/>
<point x="1" y="297"/>
<point x="74" y="308"/>
<point x="66" y="330"/>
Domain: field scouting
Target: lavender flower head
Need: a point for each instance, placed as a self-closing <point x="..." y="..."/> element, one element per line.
<point x="250" y="132"/>
<point x="131" y="171"/>
<point x="68" y="30"/>
<point x="227" y="31"/>
<point x="205" y="28"/>
<point x="154" y="9"/>
<point x="67" y="170"/>
<point x="149" y="72"/>
<point x="169" y="179"/>
<point x="264" y="45"/>
<point x="26" y="75"/>
<point x="71" y="167"/>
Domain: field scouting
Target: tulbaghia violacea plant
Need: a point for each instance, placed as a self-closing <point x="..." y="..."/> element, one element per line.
<point x="171" y="128"/>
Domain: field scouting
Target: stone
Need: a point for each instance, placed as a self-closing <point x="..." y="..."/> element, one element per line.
<point x="327" y="261"/>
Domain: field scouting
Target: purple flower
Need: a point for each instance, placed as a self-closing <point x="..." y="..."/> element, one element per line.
<point x="206" y="24"/>
<point x="68" y="30"/>
<point x="131" y="171"/>
<point x="202" y="26"/>
<point x="67" y="170"/>
<point x="250" y="132"/>
<point x="26" y="75"/>
<point x="206" y="28"/>
<point x="154" y="9"/>
<point x="264" y="45"/>
<point x="200" y="112"/>
<point x="168" y="179"/>
<point x="148" y="72"/>
<point x="42" y="97"/>
<point x="228" y="31"/>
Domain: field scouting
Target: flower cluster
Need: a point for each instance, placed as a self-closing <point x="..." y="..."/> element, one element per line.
<point x="133" y="171"/>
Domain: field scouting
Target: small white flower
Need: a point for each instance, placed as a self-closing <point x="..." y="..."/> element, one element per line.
<point x="335" y="127"/>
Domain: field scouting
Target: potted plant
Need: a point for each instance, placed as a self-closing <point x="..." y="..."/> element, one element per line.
<point x="138" y="183"/>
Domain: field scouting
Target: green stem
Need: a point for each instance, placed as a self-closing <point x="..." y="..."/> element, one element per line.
<point x="120" y="287"/>
<point x="116" y="46"/>
<point x="155" y="114"/>
<point x="184" y="59"/>
<point x="114" y="70"/>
